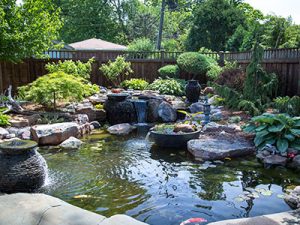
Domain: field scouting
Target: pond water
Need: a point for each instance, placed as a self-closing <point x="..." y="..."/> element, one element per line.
<point x="128" y="175"/>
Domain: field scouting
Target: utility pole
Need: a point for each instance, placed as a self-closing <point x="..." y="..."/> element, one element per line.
<point x="161" y="24"/>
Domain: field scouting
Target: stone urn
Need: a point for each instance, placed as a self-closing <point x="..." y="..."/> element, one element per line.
<point x="22" y="168"/>
<point x="192" y="91"/>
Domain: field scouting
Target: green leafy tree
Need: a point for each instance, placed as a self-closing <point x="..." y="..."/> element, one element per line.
<point x="215" y="21"/>
<point x="28" y="29"/>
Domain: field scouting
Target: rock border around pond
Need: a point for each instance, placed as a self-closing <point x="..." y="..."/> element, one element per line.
<point x="28" y="209"/>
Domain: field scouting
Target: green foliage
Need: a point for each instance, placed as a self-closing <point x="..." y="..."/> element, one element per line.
<point x="64" y="86"/>
<point x="169" y="71"/>
<point x="259" y="85"/>
<point x="78" y="69"/>
<point x="114" y="69"/>
<point x="191" y="117"/>
<point x="99" y="106"/>
<point x="280" y="130"/>
<point x="4" y="120"/>
<point x="194" y="63"/>
<point x="141" y="45"/>
<point x="214" y="69"/>
<point x="215" y="21"/>
<point x="135" y="84"/>
<point x="288" y="105"/>
<point x="50" y="119"/>
<point x="231" y="96"/>
<point x="168" y="86"/>
<point x="27" y="29"/>
<point x="171" y="45"/>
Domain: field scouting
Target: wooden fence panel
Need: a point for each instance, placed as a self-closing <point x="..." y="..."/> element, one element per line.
<point x="284" y="62"/>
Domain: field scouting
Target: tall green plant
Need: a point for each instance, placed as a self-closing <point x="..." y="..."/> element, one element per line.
<point x="114" y="69"/>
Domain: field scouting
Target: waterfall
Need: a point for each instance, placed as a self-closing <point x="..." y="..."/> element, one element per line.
<point x="141" y="110"/>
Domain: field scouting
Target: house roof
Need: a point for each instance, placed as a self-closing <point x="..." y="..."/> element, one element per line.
<point x="96" y="44"/>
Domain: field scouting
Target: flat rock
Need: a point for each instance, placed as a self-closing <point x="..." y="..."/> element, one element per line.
<point x="121" y="129"/>
<point x="214" y="148"/>
<point x="285" y="218"/>
<point x="71" y="143"/>
<point x="29" y="209"/>
<point x="54" y="134"/>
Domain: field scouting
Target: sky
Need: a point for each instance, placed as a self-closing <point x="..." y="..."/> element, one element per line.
<point x="283" y="8"/>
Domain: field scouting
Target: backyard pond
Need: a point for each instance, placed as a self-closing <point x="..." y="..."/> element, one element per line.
<point x="128" y="175"/>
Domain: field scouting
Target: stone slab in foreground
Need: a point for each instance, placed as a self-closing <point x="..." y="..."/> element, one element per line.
<point x="32" y="209"/>
<point x="216" y="148"/>
<point x="285" y="218"/>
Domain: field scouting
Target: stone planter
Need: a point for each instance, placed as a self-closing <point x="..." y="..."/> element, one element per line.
<point x="192" y="91"/>
<point x="22" y="168"/>
<point x="173" y="140"/>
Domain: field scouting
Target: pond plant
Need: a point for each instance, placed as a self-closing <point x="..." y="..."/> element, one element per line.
<point x="279" y="130"/>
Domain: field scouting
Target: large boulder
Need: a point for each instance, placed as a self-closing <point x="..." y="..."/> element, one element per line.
<point x="71" y="143"/>
<point x="29" y="209"/>
<point x="91" y="112"/>
<point x="214" y="148"/>
<point x="152" y="115"/>
<point x="166" y="112"/>
<point x="54" y="134"/>
<point x="121" y="129"/>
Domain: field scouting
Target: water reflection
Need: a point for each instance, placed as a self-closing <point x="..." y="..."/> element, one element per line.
<point x="111" y="175"/>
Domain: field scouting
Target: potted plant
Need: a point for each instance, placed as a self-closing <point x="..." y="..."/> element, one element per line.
<point x="196" y="64"/>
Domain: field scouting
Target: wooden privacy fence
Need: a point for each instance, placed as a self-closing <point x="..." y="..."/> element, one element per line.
<point x="284" y="62"/>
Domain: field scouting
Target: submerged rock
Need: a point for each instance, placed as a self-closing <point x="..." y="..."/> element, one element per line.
<point x="29" y="209"/>
<point x="54" y="134"/>
<point x="71" y="143"/>
<point x="166" y="112"/>
<point x="214" y="148"/>
<point x="121" y="129"/>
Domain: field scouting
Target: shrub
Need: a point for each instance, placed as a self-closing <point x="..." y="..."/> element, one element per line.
<point x="135" y="84"/>
<point x="4" y="120"/>
<point x="78" y="69"/>
<point x="168" y="86"/>
<point x="233" y="78"/>
<point x="141" y="45"/>
<point x="194" y="63"/>
<point x="214" y="69"/>
<point x="288" y="105"/>
<point x="275" y="129"/>
<point x="60" y="85"/>
<point x="113" y="70"/>
<point x="171" y="45"/>
<point x="169" y="71"/>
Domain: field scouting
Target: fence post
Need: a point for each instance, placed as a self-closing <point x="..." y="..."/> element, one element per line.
<point x="162" y="55"/>
<point x="221" y="60"/>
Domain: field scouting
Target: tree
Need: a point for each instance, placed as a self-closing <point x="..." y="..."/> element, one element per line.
<point x="214" y="22"/>
<point x="84" y="19"/>
<point x="27" y="30"/>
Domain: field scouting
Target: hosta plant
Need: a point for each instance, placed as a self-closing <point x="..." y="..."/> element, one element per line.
<point x="279" y="130"/>
<point x="135" y="84"/>
<point x="4" y="120"/>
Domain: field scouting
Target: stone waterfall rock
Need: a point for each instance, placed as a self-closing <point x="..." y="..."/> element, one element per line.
<point x="166" y="112"/>
<point x="293" y="198"/>
<point x="214" y="148"/>
<point x="41" y="209"/>
<point x="120" y="112"/>
<point x="152" y="115"/>
<point x="54" y="134"/>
